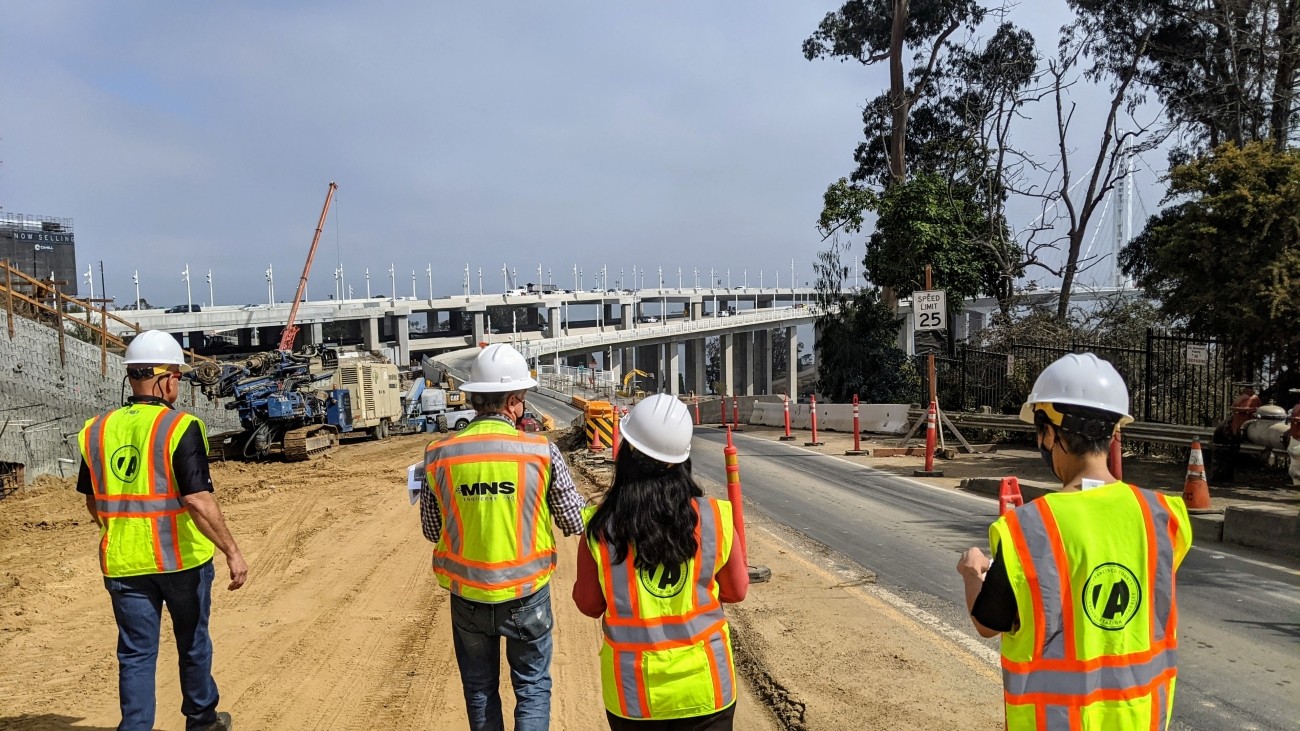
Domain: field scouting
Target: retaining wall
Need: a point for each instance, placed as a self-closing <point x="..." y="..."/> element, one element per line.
<point x="44" y="404"/>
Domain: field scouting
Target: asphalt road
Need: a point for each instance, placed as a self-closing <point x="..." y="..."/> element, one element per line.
<point x="1239" y="613"/>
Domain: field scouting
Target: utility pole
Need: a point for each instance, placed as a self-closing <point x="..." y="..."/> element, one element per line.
<point x="103" y="288"/>
<point x="90" y="280"/>
<point x="189" y="300"/>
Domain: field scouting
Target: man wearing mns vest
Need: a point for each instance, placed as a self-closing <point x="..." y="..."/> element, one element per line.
<point x="490" y="495"/>
<point x="1082" y="585"/>
<point x="144" y="473"/>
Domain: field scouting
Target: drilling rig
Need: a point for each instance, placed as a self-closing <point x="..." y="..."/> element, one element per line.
<point x="286" y="401"/>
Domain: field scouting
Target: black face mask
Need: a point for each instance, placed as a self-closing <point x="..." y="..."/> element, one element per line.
<point x="1047" y="459"/>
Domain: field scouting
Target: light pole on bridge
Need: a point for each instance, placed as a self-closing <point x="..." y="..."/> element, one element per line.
<point x="185" y="275"/>
<point x="367" y="282"/>
<point x="212" y="301"/>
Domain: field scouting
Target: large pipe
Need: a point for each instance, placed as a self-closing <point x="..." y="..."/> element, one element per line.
<point x="1268" y="429"/>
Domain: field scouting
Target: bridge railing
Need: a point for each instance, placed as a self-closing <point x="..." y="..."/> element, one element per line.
<point x="593" y="341"/>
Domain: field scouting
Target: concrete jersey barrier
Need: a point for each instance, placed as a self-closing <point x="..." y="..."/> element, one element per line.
<point x="875" y="418"/>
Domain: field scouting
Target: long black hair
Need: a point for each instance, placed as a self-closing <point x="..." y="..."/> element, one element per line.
<point x="649" y="506"/>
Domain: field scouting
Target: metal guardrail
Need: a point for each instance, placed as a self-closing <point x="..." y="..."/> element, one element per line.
<point x="577" y="342"/>
<point x="1175" y="434"/>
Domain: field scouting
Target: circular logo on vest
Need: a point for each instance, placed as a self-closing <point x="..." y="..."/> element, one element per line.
<point x="125" y="463"/>
<point x="664" y="582"/>
<point x="1111" y="596"/>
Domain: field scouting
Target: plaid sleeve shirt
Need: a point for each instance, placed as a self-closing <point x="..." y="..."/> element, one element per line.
<point x="562" y="498"/>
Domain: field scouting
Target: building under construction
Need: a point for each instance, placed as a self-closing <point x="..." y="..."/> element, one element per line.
<point x="41" y="246"/>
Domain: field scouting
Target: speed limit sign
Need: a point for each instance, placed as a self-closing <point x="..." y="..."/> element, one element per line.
<point x="929" y="310"/>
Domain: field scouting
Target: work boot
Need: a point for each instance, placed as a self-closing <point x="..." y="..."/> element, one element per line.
<point x="223" y="723"/>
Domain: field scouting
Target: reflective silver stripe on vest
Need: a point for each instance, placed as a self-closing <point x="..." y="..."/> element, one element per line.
<point x="139" y="507"/>
<point x="530" y="505"/>
<point x="1079" y="683"/>
<point x="94" y="455"/>
<point x="455" y="448"/>
<point x="707" y="567"/>
<point x="160" y="451"/>
<point x="1161" y="712"/>
<point x="494" y="577"/>
<point x="1058" y="718"/>
<point x="163" y="528"/>
<point x="1163" y="594"/>
<point x="450" y="526"/>
<point x="718" y="649"/>
<point x="683" y="633"/>
<point x="1041" y="556"/>
<point x="628" y="688"/>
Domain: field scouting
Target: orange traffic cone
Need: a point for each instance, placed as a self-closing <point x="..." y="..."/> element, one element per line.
<point x="1009" y="495"/>
<point x="1196" y="491"/>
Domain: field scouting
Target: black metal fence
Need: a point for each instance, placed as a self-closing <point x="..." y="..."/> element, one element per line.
<point x="1172" y="379"/>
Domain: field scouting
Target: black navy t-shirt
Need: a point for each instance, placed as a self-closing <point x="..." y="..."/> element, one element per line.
<point x="189" y="461"/>
<point x="995" y="607"/>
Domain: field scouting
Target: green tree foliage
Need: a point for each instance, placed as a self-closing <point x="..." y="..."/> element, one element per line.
<point x="1224" y="255"/>
<point x="1225" y="71"/>
<point x="857" y="353"/>
<point x="872" y="31"/>
<point x="857" y="340"/>
<point x="923" y="221"/>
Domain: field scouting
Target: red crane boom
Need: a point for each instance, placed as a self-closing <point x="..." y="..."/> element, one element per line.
<point x="290" y="329"/>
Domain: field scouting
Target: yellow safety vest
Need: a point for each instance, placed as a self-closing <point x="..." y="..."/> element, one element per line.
<point x="145" y="527"/>
<point x="667" y="649"/>
<point x="1093" y="574"/>
<point x="491" y="484"/>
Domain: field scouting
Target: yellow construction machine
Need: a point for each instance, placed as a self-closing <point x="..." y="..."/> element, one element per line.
<point x="630" y="389"/>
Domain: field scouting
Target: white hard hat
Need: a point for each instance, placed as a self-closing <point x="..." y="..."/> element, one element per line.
<point x="498" y="368"/>
<point x="1080" y="379"/>
<point x="660" y="427"/>
<point x="155" y="348"/>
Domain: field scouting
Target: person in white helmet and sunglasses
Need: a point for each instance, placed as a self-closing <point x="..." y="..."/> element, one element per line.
<point x="144" y="472"/>
<point x="661" y="561"/>
<point x="1082" y="581"/>
<point x="491" y="493"/>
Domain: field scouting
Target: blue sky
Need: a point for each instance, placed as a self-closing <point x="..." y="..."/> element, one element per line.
<point x="669" y="134"/>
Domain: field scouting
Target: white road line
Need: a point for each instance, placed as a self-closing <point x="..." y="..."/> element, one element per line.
<point x="961" y="639"/>
<point x="1217" y="549"/>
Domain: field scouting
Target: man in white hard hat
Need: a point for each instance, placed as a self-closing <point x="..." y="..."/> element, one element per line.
<point x="1082" y="582"/>
<point x="144" y="473"/>
<point x="498" y="490"/>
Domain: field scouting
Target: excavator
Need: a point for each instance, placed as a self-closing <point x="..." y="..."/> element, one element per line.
<point x="630" y="389"/>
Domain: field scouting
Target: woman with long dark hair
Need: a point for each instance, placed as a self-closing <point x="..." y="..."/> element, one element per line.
<point x="661" y="562"/>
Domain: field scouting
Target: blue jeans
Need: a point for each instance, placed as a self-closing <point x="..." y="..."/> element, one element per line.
<point x="137" y="604"/>
<point x="477" y="630"/>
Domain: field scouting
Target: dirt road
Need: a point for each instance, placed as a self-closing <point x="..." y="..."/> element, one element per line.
<point x="342" y="625"/>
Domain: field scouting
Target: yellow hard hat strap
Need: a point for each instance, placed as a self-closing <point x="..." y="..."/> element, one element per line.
<point x="1083" y="426"/>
